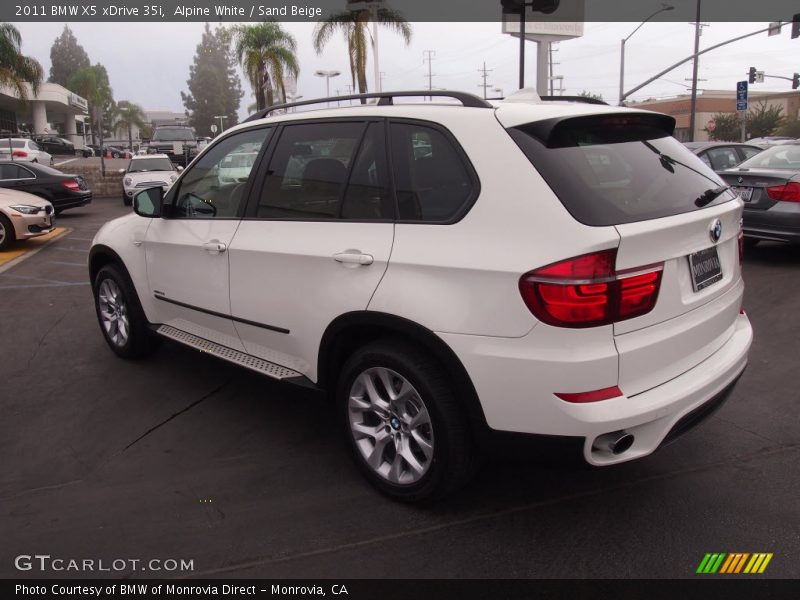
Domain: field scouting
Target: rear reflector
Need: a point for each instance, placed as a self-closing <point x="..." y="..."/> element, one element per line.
<point x="593" y="396"/>
<point x="785" y="193"/>
<point x="740" y="239"/>
<point x="71" y="184"/>
<point x="586" y="291"/>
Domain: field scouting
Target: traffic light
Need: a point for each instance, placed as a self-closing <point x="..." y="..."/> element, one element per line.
<point x="796" y="81"/>
<point x="796" y="26"/>
<point x="751" y="76"/>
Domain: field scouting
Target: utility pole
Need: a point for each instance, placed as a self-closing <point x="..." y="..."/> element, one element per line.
<point x="551" y="77"/>
<point x="485" y="73"/>
<point x="698" y="28"/>
<point x="382" y="76"/>
<point x="429" y="54"/>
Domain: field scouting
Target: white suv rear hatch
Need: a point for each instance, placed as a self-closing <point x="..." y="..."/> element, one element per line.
<point x="623" y="169"/>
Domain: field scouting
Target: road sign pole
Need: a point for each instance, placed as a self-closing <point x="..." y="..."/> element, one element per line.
<point x="744" y="127"/>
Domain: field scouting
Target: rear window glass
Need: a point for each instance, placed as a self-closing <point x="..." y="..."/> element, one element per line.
<point x="777" y="157"/>
<point x="610" y="171"/>
<point x="14" y="144"/>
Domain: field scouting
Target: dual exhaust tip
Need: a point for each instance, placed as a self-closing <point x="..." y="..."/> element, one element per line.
<point x="616" y="442"/>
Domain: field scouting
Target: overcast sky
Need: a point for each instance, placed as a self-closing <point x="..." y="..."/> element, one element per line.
<point x="149" y="63"/>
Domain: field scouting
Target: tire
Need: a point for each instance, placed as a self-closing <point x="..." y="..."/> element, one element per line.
<point x="116" y="303"/>
<point x="7" y="234"/>
<point x="115" y="155"/>
<point x="441" y="455"/>
<point x="127" y="201"/>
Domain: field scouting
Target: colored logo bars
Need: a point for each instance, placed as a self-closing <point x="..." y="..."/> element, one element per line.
<point x="737" y="562"/>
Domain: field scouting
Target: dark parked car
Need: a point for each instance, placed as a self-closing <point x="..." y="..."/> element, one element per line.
<point x="59" y="146"/>
<point x="114" y="151"/>
<point x="61" y="190"/>
<point x="722" y="155"/>
<point x="769" y="184"/>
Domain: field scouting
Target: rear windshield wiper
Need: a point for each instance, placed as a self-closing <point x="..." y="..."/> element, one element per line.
<point x="709" y="196"/>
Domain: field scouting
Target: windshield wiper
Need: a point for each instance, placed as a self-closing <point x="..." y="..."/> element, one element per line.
<point x="709" y="196"/>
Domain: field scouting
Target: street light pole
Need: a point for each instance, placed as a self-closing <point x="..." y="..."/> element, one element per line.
<point x="693" y="107"/>
<point x="221" y="119"/>
<point x="664" y="8"/>
<point x="327" y="75"/>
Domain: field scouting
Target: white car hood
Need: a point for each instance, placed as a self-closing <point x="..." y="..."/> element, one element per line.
<point x="11" y="197"/>
<point x="162" y="176"/>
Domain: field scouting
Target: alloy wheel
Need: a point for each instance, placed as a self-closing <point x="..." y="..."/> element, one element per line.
<point x="391" y="425"/>
<point x="113" y="312"/>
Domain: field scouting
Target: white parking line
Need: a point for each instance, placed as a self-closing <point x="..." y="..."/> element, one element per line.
<point x="66" y="162"/>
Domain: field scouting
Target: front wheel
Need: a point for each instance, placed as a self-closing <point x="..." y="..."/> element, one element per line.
<point x="7" y="235"/>
<point x="408" y="434"/>
<point x="120" y="315"/>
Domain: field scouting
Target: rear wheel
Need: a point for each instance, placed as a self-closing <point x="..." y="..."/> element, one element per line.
<point x="7" y="235"/>
<point x="120" y="315"/>
<point x="407" y="432"/>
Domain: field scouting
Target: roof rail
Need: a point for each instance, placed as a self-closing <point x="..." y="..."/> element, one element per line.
<point x="584" y="99"/>
<point x="385" y="99"/>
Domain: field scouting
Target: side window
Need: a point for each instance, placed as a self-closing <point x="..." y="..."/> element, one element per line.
<point x="8" y="171"/>
<point x="213" y="186"/>
<point x="705" y="159"/>
<point x="367" y="195"/>
<point x="432" y="182"/>
<point x="723" y="158"/>
<point x="308" y="171"/>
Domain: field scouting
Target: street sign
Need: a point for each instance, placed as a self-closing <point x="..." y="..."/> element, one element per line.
<point x="213" y="128"/>
<point x="741" y="96"/>
<point x="759" y="76"/>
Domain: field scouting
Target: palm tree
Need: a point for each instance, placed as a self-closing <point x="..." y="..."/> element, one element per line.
<point x="267" y="55"/>
<point x="354" y="25"/>
<point x="127" y="116"/>
<point x="16" y="69"/>
<point x="92" y="83"/>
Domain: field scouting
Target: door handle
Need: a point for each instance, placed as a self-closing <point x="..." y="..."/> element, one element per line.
<point x="215" y="247"/>
<point x="353" y="258"/>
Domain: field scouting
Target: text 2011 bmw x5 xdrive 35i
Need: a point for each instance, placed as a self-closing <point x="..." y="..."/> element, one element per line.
<point x="448" y="271"/>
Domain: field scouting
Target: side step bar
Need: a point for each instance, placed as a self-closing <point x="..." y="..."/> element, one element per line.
<point x="235" y="356"/>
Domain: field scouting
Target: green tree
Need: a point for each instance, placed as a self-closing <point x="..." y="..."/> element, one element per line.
<point x="16" y="69"/>
<point x="590" y="95"/>
<point x="127" y="116"/>
<point x="353" y="24"/>
<point x="267" y="54"/>
<point x="214" y="86"/>
<point x="67" y="56"/>
<point x="790" y="128"/>
<point x="92" y="83"/>
<point x="728" y="128"/>
<point x="763" y="120"/>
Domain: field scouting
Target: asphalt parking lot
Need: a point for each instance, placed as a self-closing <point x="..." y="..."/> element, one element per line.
<point x="184" y="457"/>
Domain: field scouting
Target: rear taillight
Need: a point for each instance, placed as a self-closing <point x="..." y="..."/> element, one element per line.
<point x="785" y="193"/>
<point x="71" y="184"/>
<point x="19" y="153"/>
<point x="586" y="291"/>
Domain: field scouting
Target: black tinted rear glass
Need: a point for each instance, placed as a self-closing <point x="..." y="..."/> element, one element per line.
<point x="610" y="172"/>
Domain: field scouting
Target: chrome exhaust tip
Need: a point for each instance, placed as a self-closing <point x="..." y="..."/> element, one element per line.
<point x="616" y="442"/>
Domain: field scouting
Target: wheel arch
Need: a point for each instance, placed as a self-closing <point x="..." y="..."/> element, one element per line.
<point x="100" y="256"/>
<point x="352" y="330"/>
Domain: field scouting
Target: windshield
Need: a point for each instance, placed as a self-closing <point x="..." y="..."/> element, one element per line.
<point x="150" y="164"/>
<point x="777" y="157"/>
<point x="173" y="134"/>
<point x="608" y="173"/>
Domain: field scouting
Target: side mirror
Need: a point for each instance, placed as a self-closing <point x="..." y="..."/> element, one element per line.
<point x="180" y="168"/>
<point x="121" y="171"/>
<point x="147" y="203"/>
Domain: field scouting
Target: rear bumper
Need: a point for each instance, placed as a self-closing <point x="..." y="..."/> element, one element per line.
<point x="72" y="201"/>
<point x="780" y="223"/>
<point x="514" y="398"/>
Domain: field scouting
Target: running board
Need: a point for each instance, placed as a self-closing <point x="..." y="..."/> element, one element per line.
<point x="235" y="356"/>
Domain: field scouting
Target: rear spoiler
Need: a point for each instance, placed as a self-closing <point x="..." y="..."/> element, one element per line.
<point x="608" y="128"/>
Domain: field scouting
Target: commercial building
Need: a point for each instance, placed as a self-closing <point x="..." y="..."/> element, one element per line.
<point x="53" y="110"/>
<point x="712" y="102"/>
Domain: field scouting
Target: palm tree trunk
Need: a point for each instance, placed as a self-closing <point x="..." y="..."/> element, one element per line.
<point x="130" y="138"/>
<point x="268" y="89"/>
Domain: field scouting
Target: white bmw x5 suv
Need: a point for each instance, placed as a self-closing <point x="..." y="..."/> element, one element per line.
<point x="448" y="272"/>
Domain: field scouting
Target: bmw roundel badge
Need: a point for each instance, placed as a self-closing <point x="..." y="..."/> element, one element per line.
<point x="716" y="230"/>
